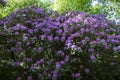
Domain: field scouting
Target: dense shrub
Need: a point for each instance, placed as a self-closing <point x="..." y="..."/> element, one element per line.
<point x="72" y="46"/>
<point x="18" y="4"/>
<point x="2" y="2"/>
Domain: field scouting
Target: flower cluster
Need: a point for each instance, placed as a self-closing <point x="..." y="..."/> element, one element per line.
<point x="3" y="2"/>
<point x="68" y="46"/>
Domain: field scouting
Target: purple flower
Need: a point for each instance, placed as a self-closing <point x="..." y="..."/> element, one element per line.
<point x="23" y="28"/>
<point x="113" y="63"/>
<point x="59" y="32"/>
<point x="17" y="63"/>
<point x="75" y="34"/>
<point x="74" y="47"/>
<point x="56" y="38"/>
<point x="28" y="43"/>
<point x="87" y="70"/>
<point x="103" y="40"/>
<point x="77" y="75"/>
<point x="86" y="38"/>
<point x="25" y="38"/>
<point x="19" y="78"/>
<point x="62" y="62"/>
<point x="69" y="45"/>
<point x="83" y="41"/>
<point x="79" y="49"/>
<point x="33" y="68"/>
<point x="38" y="62"/>
<point x="49" y="62"/>
<point x="34" y="49"/>
<point x="93" y="42"/>
<point x="15" y="28"/>
<point x="92" y="57"/>
<point x="87" y="30"/>
<point x="12" y="49"/>
<point x="109" y="37"/>
<point x="3" y="2"/>
<point x="67" y="57"/>
<point x="28" y="59"/>
<point x="105" y="24"/>
<point x="57" y="65"/>
<point x="119" y="47"/>
<point x="97" y="55"/>
<point x="63" y="38"/>
<point x="98" y="39"/>
<point x="68" y="41"/>
<point x="105" y="46"/>
<point x="54" y="75"/>
<point x="29" y="78"/>
<point x="35" y="30"/>
<point x="19" y="49"/>
<point x="49" y="75"/>
<point x="78" y="25"/>
<point x="16" y="33"/>
<point x="60" y="52"/>
<point x="90" y="50"/>
<point x="102" y="33"/>
<point x="42" y="60"/>
<point x="115" y="49"/>
<point x="42" y="37"/>
<point x="50" y="38"/>
<point x="82" y="30"/>
<point x="30" y="31"/>
<point x="71" y="37"/>
<point x="40" y="49"/>
<point x="115" y="41"/>
<point x="19" y="43"/>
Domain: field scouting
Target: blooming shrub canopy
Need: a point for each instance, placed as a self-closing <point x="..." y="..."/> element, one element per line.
<point x="52" y="46"/>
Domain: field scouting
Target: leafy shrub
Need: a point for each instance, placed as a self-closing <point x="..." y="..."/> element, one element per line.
<point x="51" y="46"/>
<point x="18" y="4"/>
<point x="2" y="2"/>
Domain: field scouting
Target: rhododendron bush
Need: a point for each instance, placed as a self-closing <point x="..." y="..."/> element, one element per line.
<point x="46" y="45"/>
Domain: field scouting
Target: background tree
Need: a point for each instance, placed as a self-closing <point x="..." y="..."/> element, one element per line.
<point x="109" y="7"/>
<point x="67" y="5"/>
